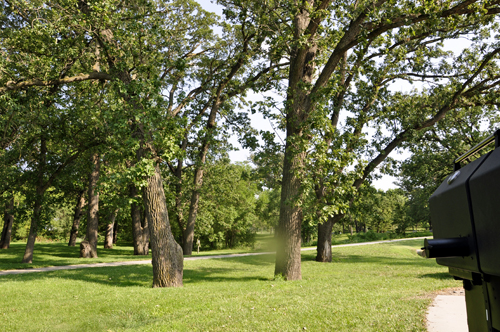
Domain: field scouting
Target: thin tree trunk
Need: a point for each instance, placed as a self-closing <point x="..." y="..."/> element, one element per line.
<point x="188" y="233"/>
<point x="115" y="231"/>
<point x="40" y="190"/>
<point x="324" y="248"/>
<point x="167" y="254"/>
<point x="35" y="221"/>
<point x="80" y="203"/>
<point x="93" y="209"/>
<point x="108" y="241"/>
<point x="8" y="222"/>
<point x="179" y="206"/>
<point x="140" y="227"/>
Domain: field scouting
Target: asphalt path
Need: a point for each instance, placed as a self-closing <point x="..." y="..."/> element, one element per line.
<point x="139" y="262"/>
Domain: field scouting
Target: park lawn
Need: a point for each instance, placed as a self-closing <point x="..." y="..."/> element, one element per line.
<point x="58" y="253"/>
<point x="378" y="287"/>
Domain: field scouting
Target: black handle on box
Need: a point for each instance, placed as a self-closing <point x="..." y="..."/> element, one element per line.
<point x="440" y="248"/>
<point x="493" y="138"/>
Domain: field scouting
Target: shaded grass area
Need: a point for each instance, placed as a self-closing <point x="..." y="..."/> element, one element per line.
<point x="58" y="253"/>
<point x="55" y="254"/>
<point x="379" y="287"/>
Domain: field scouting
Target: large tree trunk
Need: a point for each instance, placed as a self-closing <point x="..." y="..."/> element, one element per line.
<point x="140" y="227"/>
<point x="324" y="247"/>
<point x="80" y="203"/>
<point x="167" y="254"/>
<point x="93" y="209"/>
<point x="108" y="241"/>
<point x="8" y="222"/>
<point x="298" y="108"/>
<point x="288" y="232"/>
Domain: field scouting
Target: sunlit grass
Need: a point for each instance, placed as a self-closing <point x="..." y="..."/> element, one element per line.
<point x="58" y="253"/>
<point x="379" y="287"/>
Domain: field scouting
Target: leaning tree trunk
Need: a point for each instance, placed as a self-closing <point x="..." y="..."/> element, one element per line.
<point x="93" y="209"/>
<point x="37" y="208"/>
<point x="35" y="221"/>
<point x="324" y="247"/>
<point x="80" y="202"/>
<point x="7" y="226"/>
<point x="108" y="241"/>
<point x="140" y="227"/>
<point x="167" y="254"/>
<point x="115" y="231"/>
<point x="188" y="233"/>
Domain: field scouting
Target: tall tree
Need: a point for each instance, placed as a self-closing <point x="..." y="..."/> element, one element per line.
<point x="342" y="54"/>
<point x="93" y="206"/>
<point x="77" y="216"/>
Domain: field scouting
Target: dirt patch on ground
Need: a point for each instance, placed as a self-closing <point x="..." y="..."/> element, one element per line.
<point x="458" y="291"/>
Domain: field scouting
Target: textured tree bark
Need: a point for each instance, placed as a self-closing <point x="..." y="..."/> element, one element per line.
<point x="298" y="108"/>
<point x="324" y="247"/>
<point x="108" y="241"/>
<point x="8" y="222"/>
<point x="167" y="254"/>
<point x="93" y="209"/>
<point x="288" y="232"/>
<point x="140" y="227"/>
<point x="80" y="203"/>
<point x="85" y="249"/>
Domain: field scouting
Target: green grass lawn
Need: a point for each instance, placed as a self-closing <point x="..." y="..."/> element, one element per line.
<point x="58" y="253"/>
<point x="379" y="287"/>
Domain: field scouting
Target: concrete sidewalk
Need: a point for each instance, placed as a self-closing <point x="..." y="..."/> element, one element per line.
<point x="448" y="313"/>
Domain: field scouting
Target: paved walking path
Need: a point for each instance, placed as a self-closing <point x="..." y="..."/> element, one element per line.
<point x="448" y="313"/>
<point x="139" y="262"/>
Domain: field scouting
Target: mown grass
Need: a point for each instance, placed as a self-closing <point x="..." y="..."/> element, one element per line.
<point x="58" y="253"/>
<point x="378" y="287"/>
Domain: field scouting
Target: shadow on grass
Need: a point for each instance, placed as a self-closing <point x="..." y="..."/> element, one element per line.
<point x="136" y="275"/>
<point x="58" y="254"/>
<point x="440" y="276"/>
<point x="371" y="259"/>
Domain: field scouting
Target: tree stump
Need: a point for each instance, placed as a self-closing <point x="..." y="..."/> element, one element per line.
<point x="85" y="249"/>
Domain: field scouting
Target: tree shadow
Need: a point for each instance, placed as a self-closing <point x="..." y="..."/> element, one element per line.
<point x="142" y="275"/>
<point x="440" y="276"/>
